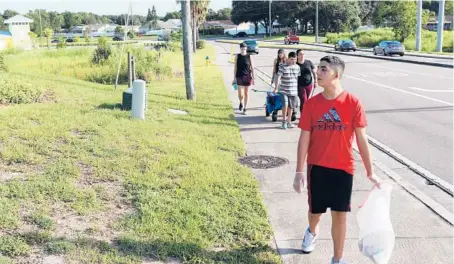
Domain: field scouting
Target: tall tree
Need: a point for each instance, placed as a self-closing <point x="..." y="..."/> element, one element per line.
<point x="149" y="17"/>
<point x="367" y="10"/>
<point x="8" y="13"/>
<point x="400" y="15"/>
<point x="154" y="18"/>
<point x="224" y="14"/>
<point x="172" y="15"/>
<point x="199" y="10"/>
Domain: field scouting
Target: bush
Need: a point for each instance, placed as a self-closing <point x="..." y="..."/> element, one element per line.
<point x="17" y="91"/>
<point x="3" y="67"/>
<point x="102" y="52"/>
<point x="200" y="44"/>
<point x="61" y="43"/>
<point x="76" y="39"/>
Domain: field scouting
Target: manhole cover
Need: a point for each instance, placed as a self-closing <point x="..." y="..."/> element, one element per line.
<point x="262" y="162"/>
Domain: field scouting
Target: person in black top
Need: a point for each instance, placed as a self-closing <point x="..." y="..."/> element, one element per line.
<point x="307" y="80"/>
<point x="243" y="75"/>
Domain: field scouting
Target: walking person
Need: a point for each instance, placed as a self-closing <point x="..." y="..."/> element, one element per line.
<point x="329" y="122"/>
<point x="243" y="76"/>
<point x="281" y="59"/>
<point x="288" y="89"/>
<point x="307" y="80"/>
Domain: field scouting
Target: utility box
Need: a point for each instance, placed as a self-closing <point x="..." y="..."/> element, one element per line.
<point x="126" y="103"/>
<point x="139" y="99"/>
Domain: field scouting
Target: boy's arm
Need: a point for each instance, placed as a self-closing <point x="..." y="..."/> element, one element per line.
<point x="303" y="145"/>
<point x="276" y="82"/>
<point x="363" y="146"/>
<point x="234" y="70"/>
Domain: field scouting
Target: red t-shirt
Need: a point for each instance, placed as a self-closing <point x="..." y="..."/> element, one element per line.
<point x="332" y="125"/>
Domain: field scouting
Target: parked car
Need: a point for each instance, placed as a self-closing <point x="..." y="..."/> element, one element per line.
<point x="252" y="46"/>
<point x="388" y="48"/>
<point x="289" y="39"/>
<point x="345" y="44"/>
<point x="118" y="38"/>
<point x="69" y="40"/>
<point x="241" y="35"/>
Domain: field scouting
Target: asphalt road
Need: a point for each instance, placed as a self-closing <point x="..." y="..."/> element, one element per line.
<point x="409" y="106"/>
<point x="405" y="57"/>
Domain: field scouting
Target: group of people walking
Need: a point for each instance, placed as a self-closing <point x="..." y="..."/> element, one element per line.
<point x="329" y="121"/>
<point x="293" y="78"/>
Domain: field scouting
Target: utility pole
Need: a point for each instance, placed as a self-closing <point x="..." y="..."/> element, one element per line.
<point x="270" y="22"/>
<point x="418" y="25"/>
<point x="316" y="21"/>
<point x="440" y="25"/>
<point x="188" y="69"/>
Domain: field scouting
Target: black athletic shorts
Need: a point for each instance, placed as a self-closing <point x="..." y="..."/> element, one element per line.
<point x="328" y="188"/>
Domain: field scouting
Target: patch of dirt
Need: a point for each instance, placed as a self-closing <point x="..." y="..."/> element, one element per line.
<point x="99" y="225"/>
<point x="48" y="97"/>
<point x="17" y="171"/>
<point x="86" y="173"/>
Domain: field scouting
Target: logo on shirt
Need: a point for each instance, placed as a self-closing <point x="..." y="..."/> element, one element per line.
<point x="330" y="121"/>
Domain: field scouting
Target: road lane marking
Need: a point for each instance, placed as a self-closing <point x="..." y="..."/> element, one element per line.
<point x="400" y="90"/>
<point x="433" y="91"/>
<point x="383" y="74"/>
<point x="420" y="73"/>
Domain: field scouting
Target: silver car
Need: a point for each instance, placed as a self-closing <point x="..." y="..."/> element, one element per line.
<point x="389" y="48"/>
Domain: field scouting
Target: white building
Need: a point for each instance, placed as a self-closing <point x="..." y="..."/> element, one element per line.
<point x="19" y="29"/>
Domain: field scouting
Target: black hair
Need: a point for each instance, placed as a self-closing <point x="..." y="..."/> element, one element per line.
<point x="298" y="51"/>
<point x="243" y="44"/>
<point x="336" y="63"/>
<point x="292" y="54"/>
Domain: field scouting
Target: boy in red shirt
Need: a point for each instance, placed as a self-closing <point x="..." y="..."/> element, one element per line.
<point x="329" y="122"/>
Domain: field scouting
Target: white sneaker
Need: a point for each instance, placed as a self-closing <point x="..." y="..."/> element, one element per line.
<point x="341" y="261"/>
<point x="308" y="244"/>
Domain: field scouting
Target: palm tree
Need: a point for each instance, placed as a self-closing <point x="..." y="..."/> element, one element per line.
<point x="199" y="11"/>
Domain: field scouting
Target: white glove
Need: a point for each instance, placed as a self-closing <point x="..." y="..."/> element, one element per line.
<point x="299" y="182"/>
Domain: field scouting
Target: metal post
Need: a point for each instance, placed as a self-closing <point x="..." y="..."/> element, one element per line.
<point x="188" y="70"/>
<point x="418" y="25"/>
<point x="270" y="27"/>
<point x="129" y="71"/>
<point x="440" y="25"/>
<point x="133" y="67"/>
<point x="316" y="21"/>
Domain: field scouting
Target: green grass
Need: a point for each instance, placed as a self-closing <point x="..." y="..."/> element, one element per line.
<point x="169" y="186"/>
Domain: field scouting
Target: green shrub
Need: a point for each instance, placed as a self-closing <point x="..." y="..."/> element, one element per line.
<point x="76" y="39"/>
<point x="59" y="247"/>
<point x="17" y="91"/>
<point x="13" y="246"/>
<point x="3" y="67"/>
<point x="200" y="44"/>
<point x="102" y="52"/>
<point x="61" y="43"/>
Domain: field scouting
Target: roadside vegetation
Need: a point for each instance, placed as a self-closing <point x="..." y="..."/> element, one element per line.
<point x="82" y="182"/>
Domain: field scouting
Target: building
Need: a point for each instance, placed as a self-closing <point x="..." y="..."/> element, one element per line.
<point x="18" y="37"/>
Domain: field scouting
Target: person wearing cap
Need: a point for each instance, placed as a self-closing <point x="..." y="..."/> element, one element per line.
<point x="243" y="76"/>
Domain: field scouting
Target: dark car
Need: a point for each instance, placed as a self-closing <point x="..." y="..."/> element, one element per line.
<point x="345" y="44"/>
<point x="252" y="46"/>
<point x="69" y="40"/>
<point x="388" y="48"/>
<point x="118" y="38"/>
<point x="241" y="35"/>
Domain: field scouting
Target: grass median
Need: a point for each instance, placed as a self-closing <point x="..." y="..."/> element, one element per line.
<point x="80" y="179"/>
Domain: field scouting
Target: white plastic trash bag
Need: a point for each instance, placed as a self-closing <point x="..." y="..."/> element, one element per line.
<point x="376" y="233"/>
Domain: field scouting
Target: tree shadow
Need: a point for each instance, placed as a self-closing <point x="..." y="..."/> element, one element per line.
<point x="189" y="251"/>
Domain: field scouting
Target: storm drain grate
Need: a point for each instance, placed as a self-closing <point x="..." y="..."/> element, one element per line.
<point x="263" y="162"/>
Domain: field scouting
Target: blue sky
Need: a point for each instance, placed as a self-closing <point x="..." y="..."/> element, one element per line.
<point x="101" y="7"/>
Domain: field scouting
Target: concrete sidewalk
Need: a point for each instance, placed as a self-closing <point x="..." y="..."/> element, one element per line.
<point x="421" y="235"/>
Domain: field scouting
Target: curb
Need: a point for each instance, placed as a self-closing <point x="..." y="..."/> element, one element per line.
<point x="361" y="55"/>
<point x="445" y="186"/>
